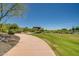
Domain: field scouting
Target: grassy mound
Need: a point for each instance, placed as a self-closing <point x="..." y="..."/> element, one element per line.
<point x="62" y="44"/>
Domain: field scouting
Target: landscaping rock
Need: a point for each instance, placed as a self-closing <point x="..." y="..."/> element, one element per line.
<point x="7" y="42"/>
<point x="6" y="37"/>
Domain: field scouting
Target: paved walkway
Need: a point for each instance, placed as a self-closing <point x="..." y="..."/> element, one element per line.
<point x="30" y="46"/>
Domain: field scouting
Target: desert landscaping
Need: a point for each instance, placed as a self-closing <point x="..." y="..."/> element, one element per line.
<point x="39" y="29"/>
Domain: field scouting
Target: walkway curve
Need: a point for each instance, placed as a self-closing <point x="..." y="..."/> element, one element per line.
<point x="30" y="46"/>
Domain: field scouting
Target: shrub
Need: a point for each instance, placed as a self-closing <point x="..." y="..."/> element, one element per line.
<point x="11" y="32"/>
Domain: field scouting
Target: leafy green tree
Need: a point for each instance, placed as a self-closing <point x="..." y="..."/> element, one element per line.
<point x="10" y="10"/>
<point x="14" y="27"/>
<point x="37" y="29"/>
<point x="4" y="28"/>
<point x="73" y="29"/>
<point x="77" y="28"/>
<point x="25" y="29"/>
<point x="64" y="29"/>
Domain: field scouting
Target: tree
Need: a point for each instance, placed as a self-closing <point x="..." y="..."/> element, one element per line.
<point x="64" y="29"/>
<point x="14" y="27"/>
<point x="25" y="29"/>
<point x="73" y="29"/>
<point x="9" y="10"/>
<point x="4" y="28"/>
<point x="77" y="28"/>
<point x="37" y="29"/>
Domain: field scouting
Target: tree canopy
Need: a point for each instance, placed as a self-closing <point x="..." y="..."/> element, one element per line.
<point x="10" y="10"/>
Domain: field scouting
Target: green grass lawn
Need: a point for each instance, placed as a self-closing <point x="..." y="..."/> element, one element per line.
<point x="62" y="44"/>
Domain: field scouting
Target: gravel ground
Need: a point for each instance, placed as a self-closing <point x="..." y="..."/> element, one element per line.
<point x="7" y="42"/>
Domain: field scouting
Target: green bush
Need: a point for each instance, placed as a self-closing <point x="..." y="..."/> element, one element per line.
<point x="5" y="31"/>
<point x="11" y="32"/>
<point x="18" y="31"/>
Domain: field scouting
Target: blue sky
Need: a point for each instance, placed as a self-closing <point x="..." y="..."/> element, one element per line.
<point x="49" y="16"/>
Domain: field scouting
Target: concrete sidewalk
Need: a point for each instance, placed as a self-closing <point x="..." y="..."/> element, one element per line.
<point x="30" y="46"/>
